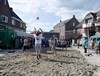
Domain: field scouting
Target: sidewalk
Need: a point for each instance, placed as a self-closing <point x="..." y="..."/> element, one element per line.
<point x="3" y="52"/>
<point x="94" y="59"/>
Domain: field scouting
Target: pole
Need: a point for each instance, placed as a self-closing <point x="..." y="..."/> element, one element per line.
<point x="7" y="39"/>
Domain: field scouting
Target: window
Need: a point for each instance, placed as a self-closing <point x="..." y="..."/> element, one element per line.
<point x="90" y="20"/>
<point x="73" y="24"/>
<point x="5" y="2"/>
<point x="21" y="25"/>
<point x="13" y="22"/>
<point x="4" y="19"/>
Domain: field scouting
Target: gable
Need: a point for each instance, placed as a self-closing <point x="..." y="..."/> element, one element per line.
<point x="4" y="3"/>
<point x="13" y="14"/>
<point x="71" y="24"/>
<point x="88" y="16"/>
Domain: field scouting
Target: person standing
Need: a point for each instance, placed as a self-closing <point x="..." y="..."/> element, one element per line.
<point x="85" y="43"/>
<point x="98" y="45"/>
<point x="78" y="43"/>
<point x="54" y="44"/>
<point x="50" y="44"/>
<point x="38" y="41"/>
<point x="25" y="45"/>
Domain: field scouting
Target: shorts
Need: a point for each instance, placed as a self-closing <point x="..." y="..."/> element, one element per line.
<point x="37" y="47"/>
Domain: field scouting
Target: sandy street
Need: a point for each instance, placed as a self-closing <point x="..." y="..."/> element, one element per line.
<point x="66" y="63"/>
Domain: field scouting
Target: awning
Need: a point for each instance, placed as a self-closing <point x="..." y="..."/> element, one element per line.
<point x="95" y="36"/>
<point x="20" y="33"/>
<point x="1" y="17"/>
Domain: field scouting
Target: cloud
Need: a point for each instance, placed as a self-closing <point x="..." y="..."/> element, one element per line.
<point x="65" y="9"/>
<point x="28" y="10"/>
<point x="38" y="24"/>
<point x="26" y="6"/>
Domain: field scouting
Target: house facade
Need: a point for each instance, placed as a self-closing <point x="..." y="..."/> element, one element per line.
<point x="48" y="35"/>
<point x="67" y="28"/>
<point x="89" y="26"/>
<point x="9" y="18"/>
<point x="97" y="23"/>
<point x="10" y="23"/>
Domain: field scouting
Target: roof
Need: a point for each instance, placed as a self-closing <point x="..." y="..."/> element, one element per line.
<point x="79" y="25"/>
<point x="98" y="12"/>
<point x="51" y="30"/>
<point x="93" y="14"/>
<point x="13" y="14"/>
<point x="63" y="22"/>
<point x="20" y="33"/>
<point x="95" y="36"/>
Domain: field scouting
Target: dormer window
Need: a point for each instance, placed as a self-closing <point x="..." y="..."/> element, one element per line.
<point x="5" y="2"/>
<point x="4" y="19"/>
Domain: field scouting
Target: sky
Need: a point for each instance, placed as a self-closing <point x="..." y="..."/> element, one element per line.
<point x="50" y="12"/>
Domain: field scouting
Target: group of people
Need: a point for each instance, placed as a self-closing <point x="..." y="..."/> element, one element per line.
<point x="95" y="45"/>
<point x="52" y="43"/>
<point x="38" y="41"/>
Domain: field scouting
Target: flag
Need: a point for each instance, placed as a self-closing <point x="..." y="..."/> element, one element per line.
<point x="37" y="18"/>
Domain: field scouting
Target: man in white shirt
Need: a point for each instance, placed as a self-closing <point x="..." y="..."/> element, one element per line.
<point x="38" y="41"/>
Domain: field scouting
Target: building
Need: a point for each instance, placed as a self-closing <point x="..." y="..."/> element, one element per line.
<point x="48" y="35"/>
<point x="10" y="25"/>
<point x="97" y="23"/>
<point x="67" y="28"/>
<point x="9" y="18"/>
<point x="89" y="26"/>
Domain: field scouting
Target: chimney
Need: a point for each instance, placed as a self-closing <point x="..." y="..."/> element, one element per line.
<point x="11" y="9"/>
<point x="60" y="21"/>
<point x="73" y="16"/>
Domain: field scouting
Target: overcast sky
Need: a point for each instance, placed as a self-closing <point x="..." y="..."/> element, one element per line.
<point x="50" y="12"/>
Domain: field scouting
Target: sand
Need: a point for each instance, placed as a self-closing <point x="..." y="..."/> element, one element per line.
<point x="65" y="63"/>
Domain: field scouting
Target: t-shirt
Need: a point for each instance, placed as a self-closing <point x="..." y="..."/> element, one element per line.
<point x="50" y="42"/>
<point x="25" y="42"/>
<point x="38" y="39"/>
<point x="85" y="42"/>
<point x="98" y="42"/>
<point x="55" y="41"/>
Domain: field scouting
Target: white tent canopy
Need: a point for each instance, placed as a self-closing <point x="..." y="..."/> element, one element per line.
<point x="20" y="33"/>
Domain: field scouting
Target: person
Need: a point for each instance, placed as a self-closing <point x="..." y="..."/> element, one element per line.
<point x="85" y="43"/>
<point x="50" y="44"/>
<point x="54" y="44"/>
<point x="78" y="43"/>
<point x="98" y="45"/>
<point x="25" y="45"/>
<point x="46" y="43"/>
<point x="38" y="41"/>
<point x="92" y="43"/>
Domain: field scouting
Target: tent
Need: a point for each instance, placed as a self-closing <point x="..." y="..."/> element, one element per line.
<point x="6" y="37"/>
<point x="20" y="33"/>
<point x="95" y="36"/>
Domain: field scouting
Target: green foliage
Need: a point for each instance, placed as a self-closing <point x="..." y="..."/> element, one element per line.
<point x="23" y="24"/>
